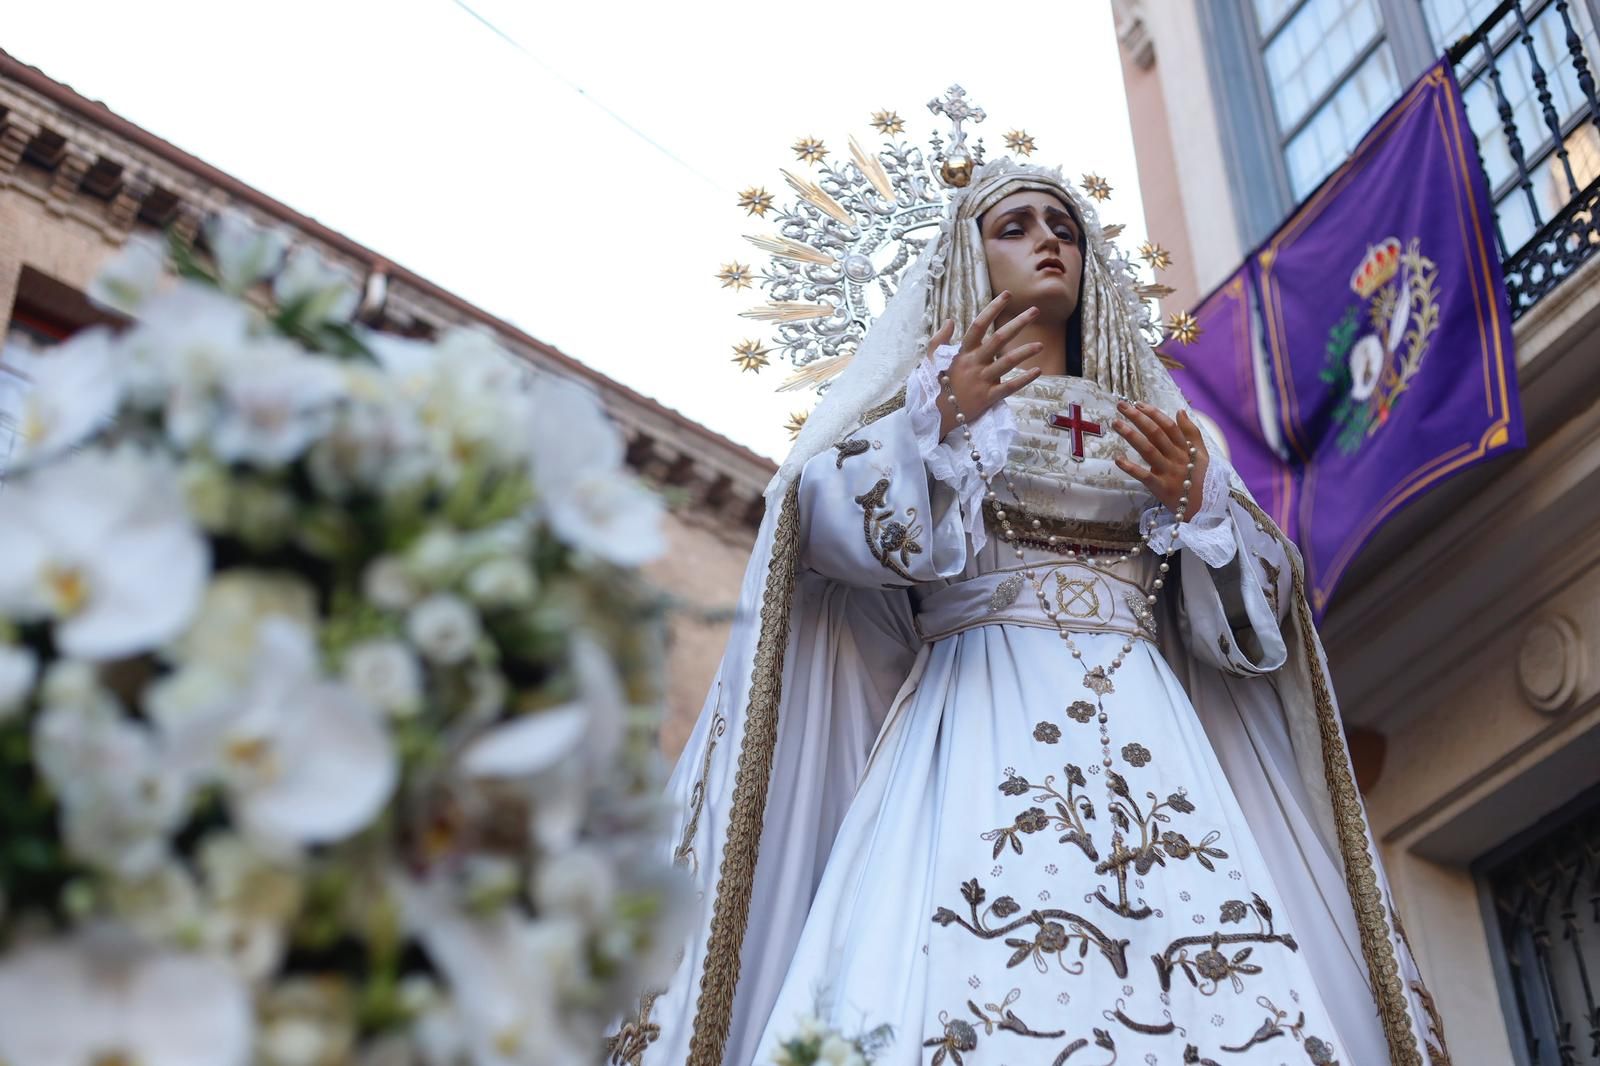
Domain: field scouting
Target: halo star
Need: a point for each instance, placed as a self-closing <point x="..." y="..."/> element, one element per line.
<point x="751" y="356"/>
<point x="756" y="201"/>
<point x="1020" y="142"/>
<point x="1182" y="327"/>
<point x="888" y="123"/>
<point x="735" y="275"/>
<point x="1158" y="257"/>
<point x="809" y="150"/>
<point x="1097" y="187"/>
<point x="796" y="422"/>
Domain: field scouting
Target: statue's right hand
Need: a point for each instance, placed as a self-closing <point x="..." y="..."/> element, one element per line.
<point x="976" y="370"/>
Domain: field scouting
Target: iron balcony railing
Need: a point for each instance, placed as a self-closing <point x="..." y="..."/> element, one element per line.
<point x="1527" y="79"/>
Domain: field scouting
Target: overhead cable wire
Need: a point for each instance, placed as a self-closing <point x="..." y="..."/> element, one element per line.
<point x="581" y="91"/>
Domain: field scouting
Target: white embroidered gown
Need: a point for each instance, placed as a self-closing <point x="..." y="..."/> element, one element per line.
<point x="1043" y="861"/>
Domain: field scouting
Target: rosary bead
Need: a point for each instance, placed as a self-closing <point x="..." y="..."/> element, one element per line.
<point x="1037" y="524"/>
<point x="1076" y="654"/>
<point x="961" y="419"/>
<point x="1151" y="600"/>
<point x="1107" y="762"/>
<point x="1165" y="568"/>
<point x="1128" y="647"/>
<point x="1187" y="484"/>
<point x="1157" y="585"/>
<point x="1104" y="718"/>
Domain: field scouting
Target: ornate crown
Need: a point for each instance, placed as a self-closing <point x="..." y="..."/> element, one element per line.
<point x="854" y="226"/>
<point x="1381" y="264"/>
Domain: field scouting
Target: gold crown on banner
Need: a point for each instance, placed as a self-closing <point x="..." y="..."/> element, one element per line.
<point x="855" y="224"/>
<point x="1381" y="264"/>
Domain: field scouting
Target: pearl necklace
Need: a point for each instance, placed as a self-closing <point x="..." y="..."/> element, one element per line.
<point x="1097" y="679"/>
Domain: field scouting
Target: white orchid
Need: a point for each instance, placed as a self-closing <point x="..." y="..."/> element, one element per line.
<point x="274" y="404"/>
<point x="175" y="356"/>
<point x="584" y="491"/>
<point x="74" y="393"/>
<point x="131" y="276"/>
<point x="18" y="668"/>
<point x="320" y="291"/>
<point x="387" y="674"/>
<point x="244" y="252"/>
<point x="250" y="898"/>
<point x="97" y="998"/>
<point x="508" y="979"/>
<point x="304" y="760"/>
<point x="388" y="584"/>
<point x="471" y="396"/>
<point x="121" y="798"/>
<point x="100" y="543"/>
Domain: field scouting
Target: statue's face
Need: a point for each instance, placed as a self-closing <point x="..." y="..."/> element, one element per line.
<point x="1034" y="249"/>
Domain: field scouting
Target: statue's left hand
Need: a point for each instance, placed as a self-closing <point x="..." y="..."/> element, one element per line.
<point x="1164" y="446"/>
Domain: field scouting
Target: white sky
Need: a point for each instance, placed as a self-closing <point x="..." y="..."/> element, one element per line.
<point x="415" y="130"/>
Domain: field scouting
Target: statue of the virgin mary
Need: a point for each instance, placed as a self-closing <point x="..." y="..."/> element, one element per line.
<point x="1009" y="752"/>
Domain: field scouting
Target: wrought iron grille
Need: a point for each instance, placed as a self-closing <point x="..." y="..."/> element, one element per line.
<point x="1546" y="900"/>
<point x="1527" y="78"/>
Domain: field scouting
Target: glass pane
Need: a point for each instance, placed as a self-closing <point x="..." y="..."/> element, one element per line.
<point x="1516" y="81"/>
<point x="1341" y="122"/>
<point x="1314" y="46"/>
<point x="1268" y="12"/>
<point x="1451" y="20"/>
<point x="1549" y="187"/>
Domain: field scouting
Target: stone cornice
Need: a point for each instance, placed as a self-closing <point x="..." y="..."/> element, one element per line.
<point x="88" y="163"/>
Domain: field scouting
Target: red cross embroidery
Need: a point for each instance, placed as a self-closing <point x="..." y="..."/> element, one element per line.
<point x="1073" y="420"/>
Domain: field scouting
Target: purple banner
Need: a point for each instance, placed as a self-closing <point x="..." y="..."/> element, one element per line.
<point x="1216" y="372"/>
<point x="1387" y="329"/>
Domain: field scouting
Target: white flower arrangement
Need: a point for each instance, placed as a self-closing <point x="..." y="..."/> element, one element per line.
<point x="323" y="688"/>
<point x="814" y="1043"/>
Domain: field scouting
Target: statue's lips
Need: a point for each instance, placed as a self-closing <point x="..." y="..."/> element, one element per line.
<point x="1055" y="265"/>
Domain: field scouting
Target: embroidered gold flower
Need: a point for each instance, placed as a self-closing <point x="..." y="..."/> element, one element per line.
<point x="1047" y="732"/>
<point x="1033" y="820"/>
<point x="1014" y="786"/>
<point x="1212" y="964"/>
<point x="1136" y="754"/>
<point x="1320" y="1051"/>
<point x="1081" y="711"/>
<point x="1234" y="911"/>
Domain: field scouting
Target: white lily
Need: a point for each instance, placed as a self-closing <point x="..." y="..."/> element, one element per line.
<point x="74" y="393"/>
<point x="98" y="998"/>
<point x="584" y="492"/>
<point x="304" y="760"/>
<point x="244" y="253"/>
<point x="131" y="276"/>
<point x="100" y="542"/>
<point x="324" y="291"/>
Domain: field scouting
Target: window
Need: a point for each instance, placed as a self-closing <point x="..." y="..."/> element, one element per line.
<point x="1330" y="73"/>
<point x="1544" y="922"/>
<point x="1521" y="207"/>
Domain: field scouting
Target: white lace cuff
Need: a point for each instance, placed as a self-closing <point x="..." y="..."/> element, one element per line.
<point x="949" y="461"/>
<point x="1209" y="534"/>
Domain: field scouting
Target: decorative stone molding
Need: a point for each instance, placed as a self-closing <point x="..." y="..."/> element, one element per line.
<point x="1550" y="664"/>
<point x="1133" y="34"/>
<point x="85" y="163"/>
